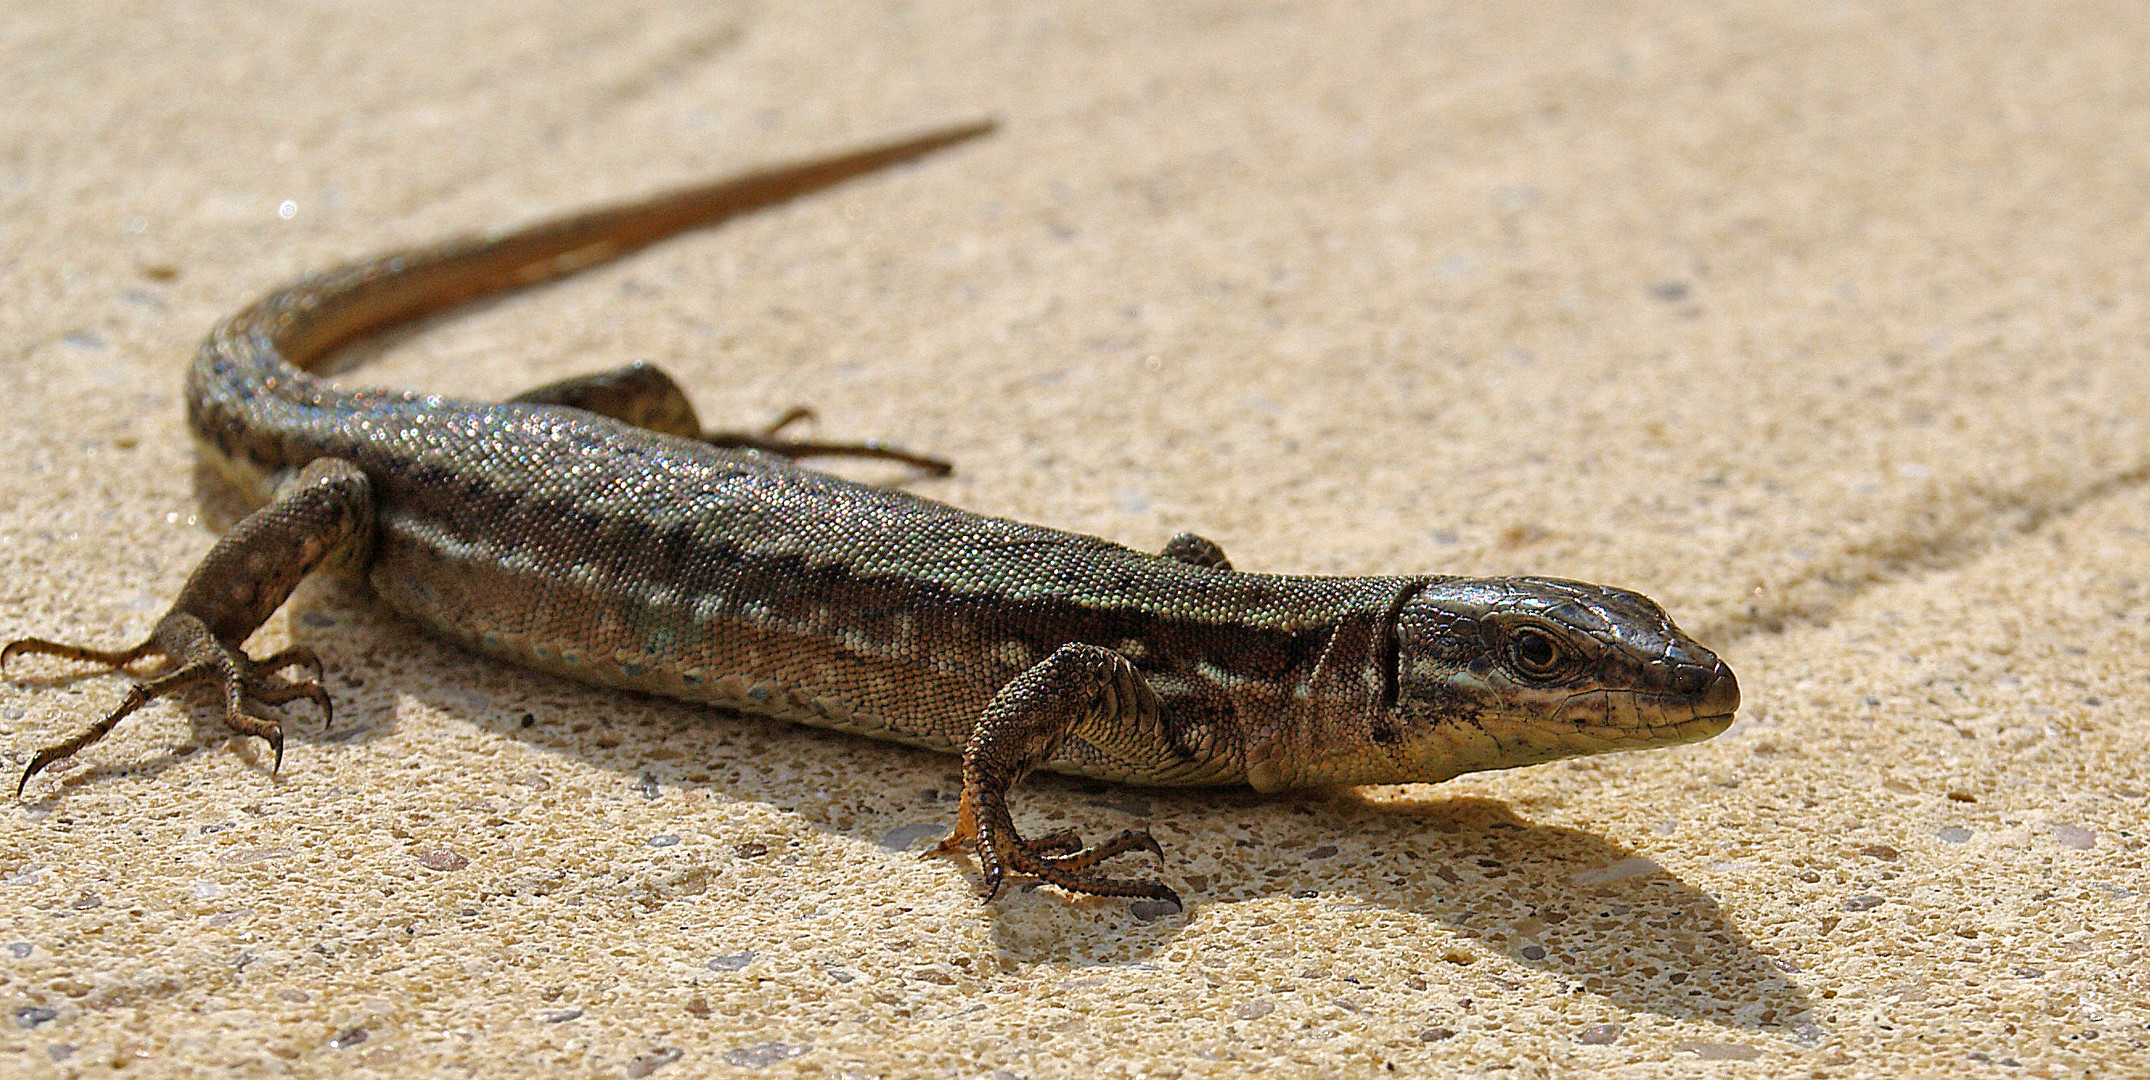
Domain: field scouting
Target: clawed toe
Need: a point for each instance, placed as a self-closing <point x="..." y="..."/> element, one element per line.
<point x="1060" y="859"/>
<point x="41" y="647"/>
<point x="1054" y="844"/>
<point x="1075" y="857"/>
<point x="295" y="656"/>
<point x="263" y="728"/>
<point x="771" y="440"/>
<point x="278" y="692"/>
<point x="44" y="757"/>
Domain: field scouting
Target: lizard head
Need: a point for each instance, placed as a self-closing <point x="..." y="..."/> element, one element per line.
<point x="1499" y="672"/>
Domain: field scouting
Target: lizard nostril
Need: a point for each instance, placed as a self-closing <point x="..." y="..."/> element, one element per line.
<point x="1720" y="696"/>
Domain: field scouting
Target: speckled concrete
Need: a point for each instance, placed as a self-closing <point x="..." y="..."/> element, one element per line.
<point x="1822" y="323"/>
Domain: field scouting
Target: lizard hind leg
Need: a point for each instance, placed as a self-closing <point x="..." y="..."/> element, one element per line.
<point x="645" y="397"/>
<point x="1196" y="551"/>
<point x="637" y="395"/>
<point x="1081" y="690"/>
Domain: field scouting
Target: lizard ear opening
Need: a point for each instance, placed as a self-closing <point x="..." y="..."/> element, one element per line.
<point x="1390" y="647"/>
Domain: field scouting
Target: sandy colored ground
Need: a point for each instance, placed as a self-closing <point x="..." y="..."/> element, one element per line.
<point x="1822" y="323"/>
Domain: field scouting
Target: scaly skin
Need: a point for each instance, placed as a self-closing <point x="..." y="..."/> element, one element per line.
<point x="592" y="530"/>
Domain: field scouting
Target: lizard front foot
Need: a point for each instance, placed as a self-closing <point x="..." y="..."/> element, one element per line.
<point x="1057" y="858"/>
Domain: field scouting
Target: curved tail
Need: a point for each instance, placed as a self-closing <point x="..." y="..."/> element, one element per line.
<point x="313" y="316"/>
<point x="250" y="397"/>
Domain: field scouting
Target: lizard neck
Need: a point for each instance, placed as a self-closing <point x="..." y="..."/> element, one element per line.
<point x="1342" y="726"/>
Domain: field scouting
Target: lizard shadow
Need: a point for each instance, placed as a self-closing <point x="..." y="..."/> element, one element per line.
<point x="1593" y="912"/>
<point x="1590" y="912"/>
<point x="1564" y="901"/>
<point x="1584" y="909"/>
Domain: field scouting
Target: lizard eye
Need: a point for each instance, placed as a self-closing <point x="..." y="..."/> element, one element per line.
<point x="1535" y="653"/>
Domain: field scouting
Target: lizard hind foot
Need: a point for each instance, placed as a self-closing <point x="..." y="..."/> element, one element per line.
<point x="771" y="440"/>
<point x="202" y="659"/>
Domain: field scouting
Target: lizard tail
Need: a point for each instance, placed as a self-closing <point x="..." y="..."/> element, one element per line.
<point x="250" y="397"/>
<point x="320" y="312"/>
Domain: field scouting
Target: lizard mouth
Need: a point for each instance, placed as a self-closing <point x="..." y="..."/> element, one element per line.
<point x="1693" y="729"/>
<point x="1708" y="710"/>
<point x="1632" y="719"/>
<point x="1604" y="721"/>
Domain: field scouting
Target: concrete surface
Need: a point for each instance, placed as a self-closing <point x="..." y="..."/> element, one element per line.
<point x="1824" y="324"/>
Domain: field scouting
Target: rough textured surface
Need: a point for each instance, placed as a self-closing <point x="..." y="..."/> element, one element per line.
<point x="1822" y="324"/>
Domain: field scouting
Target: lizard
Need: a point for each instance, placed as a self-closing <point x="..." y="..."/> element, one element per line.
<point x="592" y="529"/>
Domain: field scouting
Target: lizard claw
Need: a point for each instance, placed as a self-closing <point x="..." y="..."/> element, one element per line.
<point x="108" y="657"/>
<point x="44" y="757"/>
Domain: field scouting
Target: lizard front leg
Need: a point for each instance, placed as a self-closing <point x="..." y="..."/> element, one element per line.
<point x="324" y="512"/>
<point x="1081" y="691"/>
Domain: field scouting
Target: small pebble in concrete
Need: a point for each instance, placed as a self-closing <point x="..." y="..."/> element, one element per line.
<point x="763" y="1055"/>
<point x="442" y="859"/>
<point x="902" y="837"/>
<point x="1715" y="1051"/>
<point x="651" y="1062"/>
<point x="2074" y="836"/>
